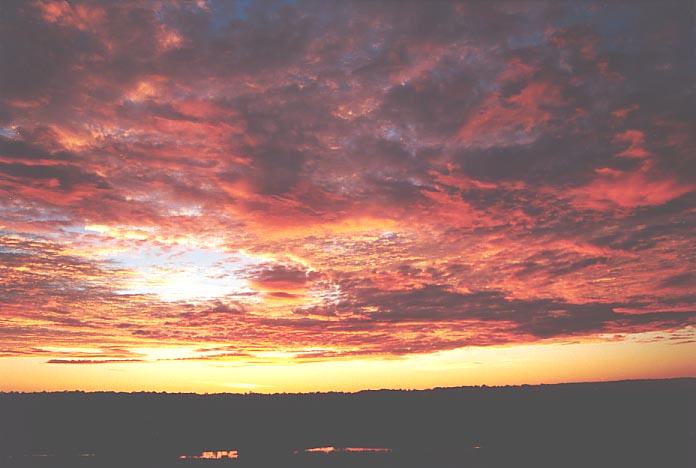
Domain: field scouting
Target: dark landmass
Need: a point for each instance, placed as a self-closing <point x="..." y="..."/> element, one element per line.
<point x="617" y="424"/>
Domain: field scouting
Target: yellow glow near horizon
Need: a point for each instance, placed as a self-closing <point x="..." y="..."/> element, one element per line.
<point x="506" y="365"/>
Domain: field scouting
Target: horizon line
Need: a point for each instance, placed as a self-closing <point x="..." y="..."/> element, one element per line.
<point x="356" y="392"/>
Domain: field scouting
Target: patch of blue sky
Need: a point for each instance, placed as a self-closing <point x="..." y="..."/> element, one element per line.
<point x="526" y="40"/>
<point x="75" y="229"/>
<point x="612" y="22"/>
<point x="183" y="273"/>
<point x="223" y="12"/>
<point x="8" y="132"/>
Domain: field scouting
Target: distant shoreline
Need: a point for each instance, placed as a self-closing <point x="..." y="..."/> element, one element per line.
<point x="358" y="392"/>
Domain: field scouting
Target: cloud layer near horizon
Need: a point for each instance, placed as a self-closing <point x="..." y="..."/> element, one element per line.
<point x="341" y="179"/>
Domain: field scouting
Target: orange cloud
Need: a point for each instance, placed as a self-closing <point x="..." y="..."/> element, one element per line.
<point x="183" y="183"/>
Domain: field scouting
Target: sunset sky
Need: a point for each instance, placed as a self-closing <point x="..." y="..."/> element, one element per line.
<point x="330" y="195"/>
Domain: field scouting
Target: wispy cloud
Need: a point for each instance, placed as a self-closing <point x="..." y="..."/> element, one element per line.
<point x="329" y="180"/>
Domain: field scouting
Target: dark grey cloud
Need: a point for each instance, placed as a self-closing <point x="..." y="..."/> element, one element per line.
<point x="469" y="173"/>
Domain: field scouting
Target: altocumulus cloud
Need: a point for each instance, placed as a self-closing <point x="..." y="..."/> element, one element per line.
<point x="371" y="178"/>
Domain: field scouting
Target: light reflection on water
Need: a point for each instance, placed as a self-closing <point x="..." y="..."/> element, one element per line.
<point x="212" y="455"/>
<point x="233" y="455"/>
<point x="331" y="449"/>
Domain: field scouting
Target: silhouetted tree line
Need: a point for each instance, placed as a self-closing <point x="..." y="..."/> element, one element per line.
<point x="633" y="423"/>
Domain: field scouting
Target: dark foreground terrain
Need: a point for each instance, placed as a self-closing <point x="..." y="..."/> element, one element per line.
<point x="621" y="424"/>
